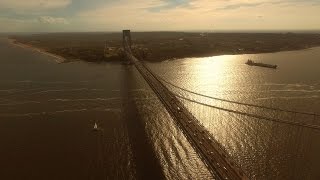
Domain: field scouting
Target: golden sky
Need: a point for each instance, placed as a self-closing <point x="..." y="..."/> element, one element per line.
<point x="156" y="15"/>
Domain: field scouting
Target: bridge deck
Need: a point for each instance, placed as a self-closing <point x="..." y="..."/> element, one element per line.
<point x="214" y="157"/>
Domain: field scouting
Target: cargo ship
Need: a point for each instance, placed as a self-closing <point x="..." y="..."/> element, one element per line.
<point x="252" y="63"/>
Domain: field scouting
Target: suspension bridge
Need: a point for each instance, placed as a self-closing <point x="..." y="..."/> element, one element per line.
<point x="212" y="153"/>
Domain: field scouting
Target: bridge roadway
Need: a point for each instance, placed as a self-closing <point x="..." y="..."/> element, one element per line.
<point x="211" y="153"/>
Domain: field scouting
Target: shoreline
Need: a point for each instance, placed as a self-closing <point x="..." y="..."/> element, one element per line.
<point x="230" y="54"/>
<point x="58" y="59"/>
<point x="248" y="53"/>
<point x="61" y="59"/>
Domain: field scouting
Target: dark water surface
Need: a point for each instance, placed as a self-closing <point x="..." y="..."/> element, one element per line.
<point x="47" y="115"/>
<point x="47" y="112"/>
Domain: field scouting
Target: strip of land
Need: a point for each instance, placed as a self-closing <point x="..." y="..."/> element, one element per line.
<point x="57" y="58"/>
<point x="159" y="46"/>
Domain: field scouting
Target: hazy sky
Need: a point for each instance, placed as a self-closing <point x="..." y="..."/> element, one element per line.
<point x="144" y="15"/>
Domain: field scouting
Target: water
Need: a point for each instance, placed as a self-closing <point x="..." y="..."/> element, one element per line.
<point x="265" y="150"/>
<point x="48" y="111"/>
<point x="47" y="115"/>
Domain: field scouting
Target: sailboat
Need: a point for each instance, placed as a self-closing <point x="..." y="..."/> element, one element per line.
<point x="95" y="127"/>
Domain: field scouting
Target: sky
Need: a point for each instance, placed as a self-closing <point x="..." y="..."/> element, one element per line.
<point x="157" y="15"/>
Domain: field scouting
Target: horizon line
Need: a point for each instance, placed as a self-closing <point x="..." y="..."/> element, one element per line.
<point x="186" y="31"/>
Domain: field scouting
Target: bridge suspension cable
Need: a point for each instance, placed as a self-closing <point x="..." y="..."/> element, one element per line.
<point x="215" y="158"/>
<point x="212" y="152"/>
<point x="235" y="102"/>
<point x="306" y="125"/>
<point x="312" y="126"/>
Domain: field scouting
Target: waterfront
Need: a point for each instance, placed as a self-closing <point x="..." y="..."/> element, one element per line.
<point x="48" y="111"/>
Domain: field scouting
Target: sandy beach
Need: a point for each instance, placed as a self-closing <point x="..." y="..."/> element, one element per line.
<point x="57" y="58"/>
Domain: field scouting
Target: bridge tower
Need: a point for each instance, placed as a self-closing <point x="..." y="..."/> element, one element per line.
<point x="127" y="37"/>
<point x="105" y="50"/>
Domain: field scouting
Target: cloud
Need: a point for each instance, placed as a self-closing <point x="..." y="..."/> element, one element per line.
<point x="145" y="15"/>
<point x="52" y="20"/>
<point x="170" y="4"/>
<point x="18" y="5"/>
<point x="237" y="4"/>
<point x="240" y="5"/>
<point x="202" y="14"/>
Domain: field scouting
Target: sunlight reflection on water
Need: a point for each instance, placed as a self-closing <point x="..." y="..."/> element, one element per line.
<point x="266" y="150"/>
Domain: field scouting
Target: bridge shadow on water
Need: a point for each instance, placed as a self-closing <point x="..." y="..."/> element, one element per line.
<point x="146" y="162"/>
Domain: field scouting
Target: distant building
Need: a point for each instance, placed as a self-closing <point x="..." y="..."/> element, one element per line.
<point x="109" y="51"/>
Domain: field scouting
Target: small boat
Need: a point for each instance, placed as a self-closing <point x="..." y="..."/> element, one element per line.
<point x="95" y="127"/>
<point x="252" y="63"/>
